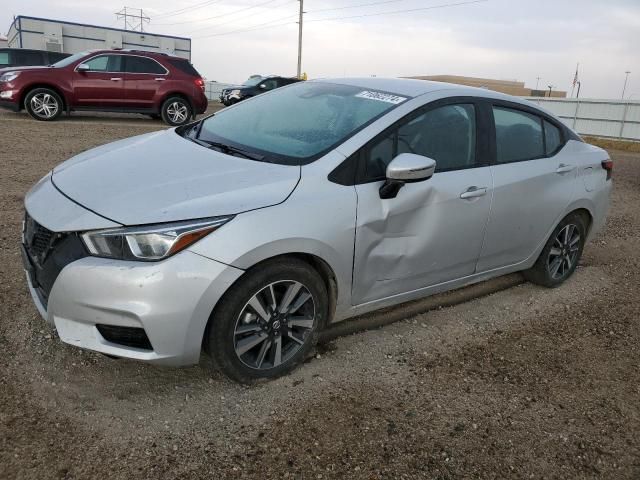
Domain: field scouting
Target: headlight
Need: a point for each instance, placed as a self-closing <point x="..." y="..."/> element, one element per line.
<point x="235" y="92"/>
<point x="9" y="76"/>
<point x="150" y="242"/>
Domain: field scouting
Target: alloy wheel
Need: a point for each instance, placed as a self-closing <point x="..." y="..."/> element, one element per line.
<point x="274" y="324"/>
<point x="44" y="105"/>
<point x="177" y="112"/>
<point x="564" y="252"/>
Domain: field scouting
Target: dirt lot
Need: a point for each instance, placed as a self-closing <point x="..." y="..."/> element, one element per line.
<point x="523" y="383"/>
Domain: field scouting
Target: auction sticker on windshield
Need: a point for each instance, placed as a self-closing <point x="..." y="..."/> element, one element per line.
<point x="381" y="97"/>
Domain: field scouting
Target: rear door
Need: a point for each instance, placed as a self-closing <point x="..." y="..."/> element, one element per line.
<point x="102" y="86"/>
<point x="432" y="231"/>
<point x="534" y="182"/>
<point x="143" y="78"/>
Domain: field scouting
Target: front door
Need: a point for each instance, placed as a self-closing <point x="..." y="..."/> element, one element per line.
<point x="102" y="85"/>
<point x="432" y="231"/>
<point x="534" y="183"/>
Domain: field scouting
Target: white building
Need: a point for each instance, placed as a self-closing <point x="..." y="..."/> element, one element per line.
<point x="70" y="37"/>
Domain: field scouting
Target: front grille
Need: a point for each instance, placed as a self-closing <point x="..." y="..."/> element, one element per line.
<point x="46" y="253"/>
<point x="127" y="336"/>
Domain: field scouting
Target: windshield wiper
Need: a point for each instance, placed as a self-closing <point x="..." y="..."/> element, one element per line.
<point x="231" y="150"/>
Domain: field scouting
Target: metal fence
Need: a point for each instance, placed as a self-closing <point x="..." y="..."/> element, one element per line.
<point x="212" y="90"/>
<point x="600" y="118"/>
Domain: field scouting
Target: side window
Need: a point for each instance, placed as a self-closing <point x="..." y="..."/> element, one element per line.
<point x="270" y="83"/>
<point x="143" y="65"/>
<point x="446" y="134"/>
<point x="552" y="136"/>
<point x="4" y="58"/>
<point x="25" y="58"/>
<point x="518" y="135"/>
<point x="105" y="63"/>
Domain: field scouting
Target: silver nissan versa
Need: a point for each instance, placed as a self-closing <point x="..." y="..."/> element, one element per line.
<point x="248" y="232"/>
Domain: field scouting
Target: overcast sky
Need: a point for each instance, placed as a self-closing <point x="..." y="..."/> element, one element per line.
<point x="502" y="39"/>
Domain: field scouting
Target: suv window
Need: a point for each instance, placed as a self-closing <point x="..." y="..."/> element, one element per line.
<point x="184" y="66"/>
<point x="518" y="135"/>
<point x="4" y="58"/>
<point x="552" y="137"/>
<point x="143" y="65"/>
<point x="446" y="134"/>
<point x="270" y="83"/>
<point x="26" y="58"/>
<point x="105" y="63"/>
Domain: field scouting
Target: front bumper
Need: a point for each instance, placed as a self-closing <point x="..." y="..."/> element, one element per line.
<point x="14" y="106"/>
<point x="171" y="300"/>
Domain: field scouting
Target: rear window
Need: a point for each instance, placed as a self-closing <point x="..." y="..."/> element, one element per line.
<point x="134" y="64"/>
<point x="184" y="66"/>
<point x="518" y="135"/>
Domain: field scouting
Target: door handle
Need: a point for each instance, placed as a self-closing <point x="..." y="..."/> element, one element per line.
<point x="159" y="79"/>
<point x="116" y="79"/>
<point x="473" y="192"/>
<point x="564" y="168"/>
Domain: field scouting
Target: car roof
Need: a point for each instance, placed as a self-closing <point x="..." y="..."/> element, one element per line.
<point x="414" y="88"/>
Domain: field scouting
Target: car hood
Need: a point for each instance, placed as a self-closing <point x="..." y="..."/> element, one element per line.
<point x="162" y="177"/>
<point x="22" y="69"/>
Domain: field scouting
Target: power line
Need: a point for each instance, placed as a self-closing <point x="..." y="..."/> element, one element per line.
<point x="221" y="15"/>
<point x="433" y="7"/>
<point x="234" y="20"/>
<point x="259" y="26"/>
<point x="190" y="8"/>
<point x="356" y="6"/>
<point x="267" y="25"/>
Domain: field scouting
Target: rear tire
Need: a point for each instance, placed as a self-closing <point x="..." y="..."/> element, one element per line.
<point x="43" y="104"/>
<point x="248" y="344"/>
<point x="176" y="111"/>
<point x="561" y="254"/>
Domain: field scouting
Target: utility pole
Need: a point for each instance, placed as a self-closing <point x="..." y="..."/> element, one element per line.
<point x="537" y="82"/>
<point x="300" y="39"/>
<point x="625" y="83"/>
<point x="550" y="88"/>
<point x="137" y="16"/>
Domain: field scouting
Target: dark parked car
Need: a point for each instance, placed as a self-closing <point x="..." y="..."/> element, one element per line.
<point x="23" y="57"/>
<point x="128" y="81"/>
<point x="255" y="85"/>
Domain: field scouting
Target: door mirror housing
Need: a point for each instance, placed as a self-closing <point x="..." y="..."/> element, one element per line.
<point x="83" y="67"/>
<point x="406" y="168"/>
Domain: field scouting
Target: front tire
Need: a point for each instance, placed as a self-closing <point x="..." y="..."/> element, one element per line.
<point x="43" y="104"/>
<point x="268" y="322"/>
<point x="176" y="111"/>
<point x="561" y="254"/>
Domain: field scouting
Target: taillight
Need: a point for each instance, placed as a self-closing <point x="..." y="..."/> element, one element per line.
<point x="608" y="166"/>
<point x="200" y="83"/>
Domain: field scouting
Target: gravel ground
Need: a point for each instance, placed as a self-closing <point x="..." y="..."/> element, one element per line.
<point x="523" y="382"/>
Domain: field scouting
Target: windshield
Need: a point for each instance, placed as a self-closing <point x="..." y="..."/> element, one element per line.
<point x="69" y="60"/>
<point x="252" y="82"/>
<point x="296" y="124"/>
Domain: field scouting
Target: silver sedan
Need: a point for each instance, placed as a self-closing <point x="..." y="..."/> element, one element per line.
<point x="248" y="232"/>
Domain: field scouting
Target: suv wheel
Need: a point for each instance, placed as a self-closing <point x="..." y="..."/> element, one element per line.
<point x="560" y="256"/>
<point x="176" y="111"/>
<point x="43" y="104"/>
<point x="268" y="322"/>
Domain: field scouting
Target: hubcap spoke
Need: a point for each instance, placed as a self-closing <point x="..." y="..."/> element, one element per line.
<point x="290" y="294"/>
<point x="304" y="322"/>
<point x="246" y="344"/>
<point x="277" y="357"/>
<point x="256" y="304"/>
<point x="263" y="352"/>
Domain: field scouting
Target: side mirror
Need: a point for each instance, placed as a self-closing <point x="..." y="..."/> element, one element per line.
<point x="406" y="168"/>
<point x="83" y="67"/>
<point x="262" y="86"/>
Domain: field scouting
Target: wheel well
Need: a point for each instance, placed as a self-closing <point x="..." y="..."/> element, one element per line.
<point x="175" y="94"/>
<point x="42" y="85"/>
<point x="586" y="215"/>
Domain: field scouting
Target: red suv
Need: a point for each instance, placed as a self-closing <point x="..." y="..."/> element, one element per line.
<point x="129" y="81"/>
